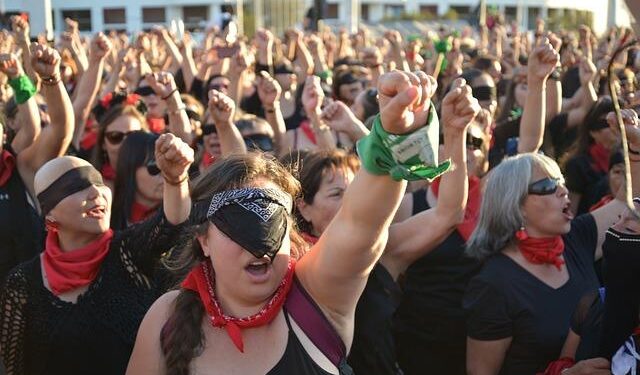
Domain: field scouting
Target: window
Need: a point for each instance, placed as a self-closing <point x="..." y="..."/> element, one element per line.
<point x="364" y="12"/>
<point x="533" y="14"/>
<point x="332" y="11"/>
<point x="510" y="13"/>
<point x="82" y="16"/>
<point x="195" y="16"/>
<point x="429" y="10"/>
<point x="153" y="15"/>
<point x="114" y="16"/>
<point x="463" y="11"/>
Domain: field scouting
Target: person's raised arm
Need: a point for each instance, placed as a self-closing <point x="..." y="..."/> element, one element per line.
<point x="341" y="119"/>
<point x="312" y="98"/>
<point x="174" y="157"/>
<point x="20" y="28"/>
<point x="117" y="72"/>
<point x="222" y="109"/>
<point x="303" y="60"/>
<point x="542" y="62"/>
<point x="89" y="85"/>
<point x="28" y="113"/>
<point x="554" y="88"/>
<point x="335" y="270"/>
<point x="165" y="88"/>
<point x="397" y="52"/>
<point x="408" y="240"/>
<point x="588" y="98"/>
<point x="54" y="139"/>
<point x="269" y="91"/>
<point x="171" y="47"/>
<point x="189" y="69"/>
<point x="610" y="213"/>
<point x="264" y="52"/>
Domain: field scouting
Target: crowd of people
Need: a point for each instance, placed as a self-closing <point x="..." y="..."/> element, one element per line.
<point x="319" y="202"/>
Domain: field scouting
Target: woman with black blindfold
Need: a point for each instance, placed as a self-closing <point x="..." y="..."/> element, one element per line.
<point x="246" y="305"/>
<point x="537" y="261"/>
<point x="21" y="228"/>
<point x="76" y="308"/>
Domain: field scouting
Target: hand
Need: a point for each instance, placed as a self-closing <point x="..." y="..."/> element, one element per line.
<point x="143" y="44"/>
<point x="45" y="60"/>
<point x="594" y="366"/>
<point x="71" y="26"/>
<point x="555" y="41"/>
<point x="173" y="158"/>
<point x="394" y="38"/>
<point x="339" y="117"/>
<point x="20" y="27"/>
<point x="404" y="100"/>
<point x="264" y="40"/>
<point x="162" y="83"/>
<point x="542" y="61"/>
<point x="221" y="108"/>
<point x="10" y="66"/>
<point x="293" y="35"/>
<point x="312" y="96"/>
<point x="100" y="47"/>
<point x="459" y="107"/>
<point x="239" y="63"/>
<point x="371" y="57"/>
<point x="587" y="71"/>
<point x="631" y="125"/>
<point x="268" y="89"/>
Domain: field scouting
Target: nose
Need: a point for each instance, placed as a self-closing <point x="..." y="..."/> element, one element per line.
<point x="92" y="192"/>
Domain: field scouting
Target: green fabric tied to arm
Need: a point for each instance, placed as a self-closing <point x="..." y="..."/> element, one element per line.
<point x="23" y="88"/>
<point x="410" y="157"/>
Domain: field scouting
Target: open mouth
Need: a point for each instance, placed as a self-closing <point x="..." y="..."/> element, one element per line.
<point x="96" y="212"/>
<point x="259" y="267"/>
<point x="567" y="212"/>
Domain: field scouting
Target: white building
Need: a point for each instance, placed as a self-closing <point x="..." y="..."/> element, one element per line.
<point x="135" y="15"/>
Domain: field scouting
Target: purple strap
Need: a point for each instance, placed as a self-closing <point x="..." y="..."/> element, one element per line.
<point x="314" y="324"/>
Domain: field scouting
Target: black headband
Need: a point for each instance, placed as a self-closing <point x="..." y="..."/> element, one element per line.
<point x="71" y="182"/>
<point x="484" y="92"/>
<point x="598" y="124"/>
<point x="256" y="219"/>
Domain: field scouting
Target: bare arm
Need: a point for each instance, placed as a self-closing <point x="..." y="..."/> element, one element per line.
<point x="222" y="109"/>
<point x="486" y="357"/>
<point x="174" y="158"/>
<point x="165" y="87"/>
<point x="312" y="98"/>
<point x="21" y="29"/>
<point x="588" y="98"/>
<point x="269" y="92"/>
<point x="340" y="119"/>
<point x="189" y="69"/>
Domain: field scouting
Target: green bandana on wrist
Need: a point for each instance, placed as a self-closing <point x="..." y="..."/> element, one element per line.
<point x="23" y="88"/>
<point x="408" y="157"/>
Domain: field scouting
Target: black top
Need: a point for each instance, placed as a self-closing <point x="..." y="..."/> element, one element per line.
<point x="373" y="351"/>
<point x="587" y="323"/>
<point x="21" y="228"/>
<point x="41" y="334"/>
<point x="586" y="181"/>
<point x="505" y="141"/>
<point x="433" y="288"/>
<point x="562" y="137"/>
<point x="505" y="300"/>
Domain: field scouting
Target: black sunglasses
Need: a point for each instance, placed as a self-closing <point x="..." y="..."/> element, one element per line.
<point x="472" y="142"/>
<point x="546" y="186"/>
<point x="209" y="129"/>
<point x="152" y="168"/>
<point x="145" y="91"/>
<point x="115" y="137"/>
<point x="259" y="142"/>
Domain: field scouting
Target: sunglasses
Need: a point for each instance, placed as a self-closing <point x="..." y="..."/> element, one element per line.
<point x="472" y="142"/>
<point x="217" y="87"/>
<point x="115" y="137"/>
<point x="259" y="142"/>
<point x="145" y="91"/>
<point x="546" y="186"/>
<point x="209" y="129"/>
<point x="152" y="168"/>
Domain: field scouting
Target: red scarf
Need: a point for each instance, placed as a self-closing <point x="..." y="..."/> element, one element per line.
<point x="543" y="250"/>
<point x="107" y="172"/>
<point x="600" y="157"/>
<point x="207" y="159"/>
<point x="308" y="132"/>
<point x="139" y="212"/>
<point x="472" y="211"/>
<point x="7" y="165"/>
<point x="556" y="367"/>
<point x="90" y="135"/>
<point x="309" y="238"/>
<point x="76" y="268"/>
<point x="200" y="280"/>
<point x="156" y="125"/>
<point x="606" y="199"/>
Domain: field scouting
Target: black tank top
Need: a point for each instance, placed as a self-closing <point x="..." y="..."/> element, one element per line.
<point x="295" y="359"/>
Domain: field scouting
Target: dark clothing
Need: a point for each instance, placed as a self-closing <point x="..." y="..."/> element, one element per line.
<point x="562" y="137"/>
<point x="295" y="358"/>
<point x="505" y="141"/>
<point x="430" y="322"/>
<point x="42" y="334"/>
<point x="505" y="300"/>
<point x="587" y="323"/>
<point x="21" y="227"/>
<point x="373" y="351"/>
<point x="583" y="179"/>
<point x="570" y="82"/>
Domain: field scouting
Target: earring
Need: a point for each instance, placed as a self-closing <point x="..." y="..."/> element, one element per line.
<point x="521" y="234"/>
<point x="51" y="225"/>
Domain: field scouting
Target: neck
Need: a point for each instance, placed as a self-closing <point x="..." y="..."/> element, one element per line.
<point x="147" y="202"/>
<point x="236" y="307"/>
<point x="69" y="241"/>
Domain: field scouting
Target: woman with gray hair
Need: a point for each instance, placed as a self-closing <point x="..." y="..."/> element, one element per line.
<point x="538" y="262"/>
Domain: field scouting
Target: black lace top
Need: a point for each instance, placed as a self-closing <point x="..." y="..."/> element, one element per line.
<point x="42" y="334"/>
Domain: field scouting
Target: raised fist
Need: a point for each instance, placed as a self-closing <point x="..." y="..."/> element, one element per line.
<point x="459" y="107"/>
<point x="100" y="46"/>
<point x="10" y="66"/>
<point x="45" y="60"/>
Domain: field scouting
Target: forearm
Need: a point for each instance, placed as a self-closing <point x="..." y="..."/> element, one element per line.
<point x="357" y="131"/>
<point x="189" y="70"/>
<point x="454" y="185"/>
<point x="26" y="57"/>
<point x="274" y="117"/>
<point x="305" y="59"/>
<point x="231" y="141"/>
<point x="61" y="114"/>
<point x="324" y="136"/>
<point x="29" y="125"/>
<point x="533" y="117"/>
<point x="554" y="99"/>
<point x="87" y="90"/>
<point x="176" y="202"/>
<point x="179" y="123"/>
<point x="112" y="83"/>
<point x="173" y="49"/>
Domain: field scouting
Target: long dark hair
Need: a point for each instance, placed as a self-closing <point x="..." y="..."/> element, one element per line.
<point x="599" y="110"/>
<point x="136" y="150"/>
<point x="181" y="338"/>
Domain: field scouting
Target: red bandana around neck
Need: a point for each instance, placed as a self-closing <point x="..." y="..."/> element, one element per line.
<point x="543" y="250"/>
<point x="76" y="268"/>
<point x="472" y="211"/>
<point x="600" y="157"/>
<point x="309" y="238"/>
<point x="156" y="125"/>
<point x="107" y="172"/>
<point x="139" y="212"/>
<point x="7" y="165"/>
<point x="207" y="159"/>
<point x="200" y="280"/>
<point x="308" y="131"/>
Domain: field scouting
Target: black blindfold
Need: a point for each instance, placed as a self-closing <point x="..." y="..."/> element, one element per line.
<point x="71" y="182"/>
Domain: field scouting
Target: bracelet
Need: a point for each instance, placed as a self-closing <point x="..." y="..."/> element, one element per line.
<point x="409" y="157"/>
<point x="52" y="80"/>
<point x="23" y="88"/>
<point x="178" y="110"/>
<point x="169" y="95"/>
<point x="175" y="183"/>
